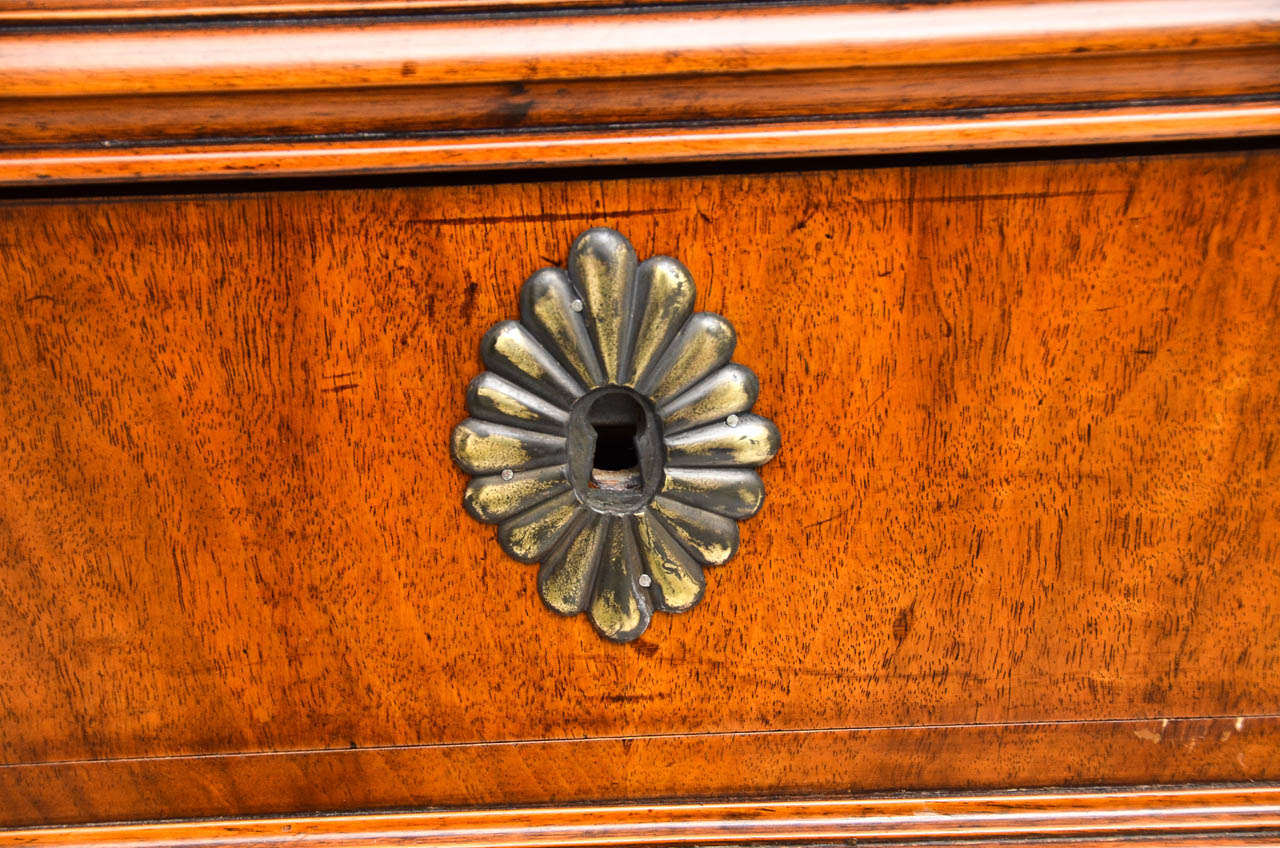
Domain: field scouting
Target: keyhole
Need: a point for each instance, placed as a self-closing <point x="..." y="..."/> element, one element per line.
<point x="615" y="447"/>
<point x="615" y="450"/>
<point x="618" y="421"/>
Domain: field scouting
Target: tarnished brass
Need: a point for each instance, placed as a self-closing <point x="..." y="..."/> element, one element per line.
<point x="611" y="437"/>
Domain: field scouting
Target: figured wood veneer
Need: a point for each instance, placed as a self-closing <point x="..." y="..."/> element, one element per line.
<point x="1029" y="474"/>
<point x="759" y="765"/>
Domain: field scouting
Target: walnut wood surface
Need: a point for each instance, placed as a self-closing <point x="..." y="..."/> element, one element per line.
<point x="338" y="94"/>
<point x="802" y="37"/>
<point x="1182" y="817"/>
<point x="891" y="92"/>
<point x="1029" y="417"/>
<point x="621" y="146"/>
<point x="762" y="765"/>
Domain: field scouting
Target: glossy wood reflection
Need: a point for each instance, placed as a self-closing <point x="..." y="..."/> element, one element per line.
<point x="760" y="765"/>
<point x="1176" y="817"/>
<point x="319" y="88"/>
<point x="1029" y="467"/>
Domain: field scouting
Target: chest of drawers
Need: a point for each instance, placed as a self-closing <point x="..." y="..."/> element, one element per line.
<point x="1006" y="277"/>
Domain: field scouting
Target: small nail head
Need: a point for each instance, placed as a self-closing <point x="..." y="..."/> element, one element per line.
<point x="732" y="421"/>
<point x="646" y="581"/>
<point x="576" y="306"/>
<point x="507" y="474"/>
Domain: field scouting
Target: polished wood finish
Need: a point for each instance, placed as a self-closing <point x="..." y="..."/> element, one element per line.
<point x="468" y="152"/>
<point x="1180" y="817"/>
<point x="654" y="43"/>
<point x="1028" y="498"/>
<point x="181" y="100"/>
<point x="131" y="11"/>
<point x="888" y="93"/>
<point x="762" y="765"/>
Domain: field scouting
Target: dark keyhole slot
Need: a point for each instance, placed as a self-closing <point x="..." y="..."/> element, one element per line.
<point x="615" y="450"/>
<point x="618" y="421"/>
<point x="615" y="447"/>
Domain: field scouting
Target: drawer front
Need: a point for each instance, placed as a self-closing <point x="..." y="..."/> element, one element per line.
<point x="1024" y="528"/>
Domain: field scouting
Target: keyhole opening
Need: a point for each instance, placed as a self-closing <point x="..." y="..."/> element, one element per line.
<point x="615" y="447"/>
<point x="615" y="450"/>
<point x="618" y="422"/>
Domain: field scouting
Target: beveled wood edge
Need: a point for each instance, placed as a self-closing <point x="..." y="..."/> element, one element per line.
<point x="98" y="11"/>
<point x="100" y="102"/>
<point x="621" y="146"/>
<point x="1175" y="815"/>
<point x="752" y="764"/>
<point x="306" y="56"/>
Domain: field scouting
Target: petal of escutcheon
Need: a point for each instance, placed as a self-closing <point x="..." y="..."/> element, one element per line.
<point x="546" y="308"/>
<point x="751" y="441"/>
<point x="495" y="399"/>
<point x="621" y="607"/>
<point x="677" y="579"/>
<point x="602" y="265"/>
<point x="735" y="493"/>
<point x="711" y="539"/>
<point x="483" y="447"/>
<point x="704" y="343"/>
<point x="511" y="351"/>
<point x="493" y="499"/>
<point x="666" y="291"/>
<point x="724" y="392"/>
<point x="531" y="534"/>
<point x="569" y="572"/>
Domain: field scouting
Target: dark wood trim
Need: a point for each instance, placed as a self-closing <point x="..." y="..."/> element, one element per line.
<point x="99" y="11"/>
<point x="175" y="101"/>
<point x="652" y="43"/>
<point x="630" y="147"/>
<point x="1174" y="816"/>
<point x="746" y="765"/>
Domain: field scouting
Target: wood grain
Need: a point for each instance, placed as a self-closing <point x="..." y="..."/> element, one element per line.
<point x="154" y="60"/>
<point x="131" y="11"/>
<point x="1182" y="817"/>
<point x="340" y="95"/>
<point x="893" y="92"/>
<point x="760" y="765"/>
<point x="619" y="146"/>
<point x="1029" y="417"/>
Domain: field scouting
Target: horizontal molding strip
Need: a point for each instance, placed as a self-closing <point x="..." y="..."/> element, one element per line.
<point x="110" y="102"/>
<point x="745" y="39"/>
<point x="631" y="147"/>
<point x="66" y="11"/>
<point x="1175" y="816"/>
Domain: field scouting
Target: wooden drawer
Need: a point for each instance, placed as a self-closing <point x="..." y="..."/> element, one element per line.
<point x="1005" y="272"/>
<point x="1022" y="532"/>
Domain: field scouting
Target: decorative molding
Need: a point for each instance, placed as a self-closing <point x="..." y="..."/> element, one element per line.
<point x="622" y="147"/>
<point x="84" y="61"/>
<point x="97" y="101"/>
<point x="76" y="11"/>
<point x="1199" y="816"/>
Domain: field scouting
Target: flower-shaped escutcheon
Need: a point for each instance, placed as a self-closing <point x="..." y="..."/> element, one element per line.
<point x="611" y="438"/>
